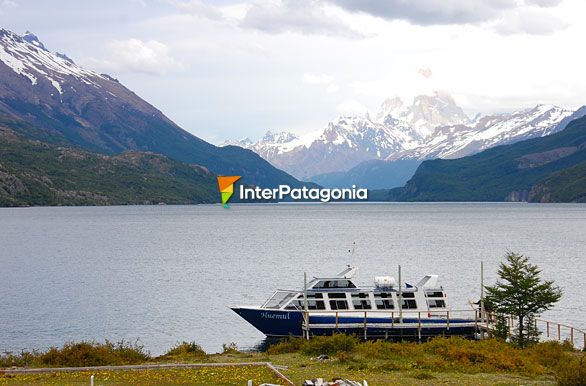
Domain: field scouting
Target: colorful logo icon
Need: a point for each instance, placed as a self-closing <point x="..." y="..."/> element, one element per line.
<point x="226" y="185"/>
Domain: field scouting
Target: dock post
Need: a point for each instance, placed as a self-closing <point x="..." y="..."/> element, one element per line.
<point x="400" y="301"/>
<point x="482" y="298"/>
<point x="584" y="348"/>
<point x="476" y="320"/>
<point x="336" y="320"/>
<point x="572" y="335"/>
<point x="305" y="306"/>
<point x="364" y="325"/>
<point x="559" y="331"/>
<point x="448" y="319"/>
<point x="419" y="325"/>
<point x="547" y="328"/>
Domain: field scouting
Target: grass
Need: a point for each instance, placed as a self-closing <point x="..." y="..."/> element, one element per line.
<point x="454" y="361"/>
<point x="189" y="376"/>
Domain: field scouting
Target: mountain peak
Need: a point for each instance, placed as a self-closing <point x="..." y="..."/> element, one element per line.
<point x="280" y="137"/>
<point x="390" y="106"/>
<point x="33" y="39"/>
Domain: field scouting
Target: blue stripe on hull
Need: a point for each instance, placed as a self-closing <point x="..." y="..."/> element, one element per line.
<point x="289" y="323"/>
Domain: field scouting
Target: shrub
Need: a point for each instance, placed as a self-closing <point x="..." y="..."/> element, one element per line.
<point x="186" y="349"/>
<point x="572" y="372"/>
<point x="317" y="345"/>
<point x="78" y="354"/>
<point x="343" y="357"/>
<point x="329" y="345"/>
<point x="90" y="353"/>
<point x="288" y="345"/>
<point x="229" y="348"/>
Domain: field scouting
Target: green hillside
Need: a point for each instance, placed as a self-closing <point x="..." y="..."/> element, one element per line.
<point x="568" y="185"/>
<point x="505" y="173"/>
<point x="37" y="173"/>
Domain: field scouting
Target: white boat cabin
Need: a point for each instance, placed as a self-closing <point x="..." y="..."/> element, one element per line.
<point x="339" y="293"/>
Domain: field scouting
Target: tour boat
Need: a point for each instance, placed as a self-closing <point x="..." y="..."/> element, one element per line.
<point x="329" y="305"/>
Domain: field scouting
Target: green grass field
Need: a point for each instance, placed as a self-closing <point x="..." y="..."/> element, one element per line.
<point x="441" y="361"/>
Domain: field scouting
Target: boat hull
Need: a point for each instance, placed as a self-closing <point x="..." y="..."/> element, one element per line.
<point x="273" y="323"/>
<point x="279" y="323"/>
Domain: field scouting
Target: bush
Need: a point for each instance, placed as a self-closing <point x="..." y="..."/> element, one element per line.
<point x="186" y="349"/>
<point x="85" y="353"/>
<point x="229" y="348"/>
<point x="89" y="353"/>
<point x="286" y="346"/>
<point x="572" y="372"/>
<point x="318" y="345"/>
<point x="329" y="345"/>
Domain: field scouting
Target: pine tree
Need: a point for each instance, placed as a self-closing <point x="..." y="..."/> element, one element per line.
<point x="521" y="293"/>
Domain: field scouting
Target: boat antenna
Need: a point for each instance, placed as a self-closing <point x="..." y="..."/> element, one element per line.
<point x="352" y="249"/>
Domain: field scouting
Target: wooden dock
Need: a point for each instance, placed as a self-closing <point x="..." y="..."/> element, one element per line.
<point x="422" y="325"/>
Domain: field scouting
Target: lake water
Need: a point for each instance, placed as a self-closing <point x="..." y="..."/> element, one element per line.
<point x="165" y="274"/>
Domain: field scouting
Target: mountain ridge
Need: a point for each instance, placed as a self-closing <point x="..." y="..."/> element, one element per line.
<point x="522" y="171"/>
<point x="64" y="103"/>
<point x="400" y="132"/>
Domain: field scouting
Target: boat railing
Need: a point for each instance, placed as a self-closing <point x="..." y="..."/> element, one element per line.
<point x="395" y="320"/>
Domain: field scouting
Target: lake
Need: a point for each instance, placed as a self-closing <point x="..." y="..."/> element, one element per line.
<point x="164" y="274"/>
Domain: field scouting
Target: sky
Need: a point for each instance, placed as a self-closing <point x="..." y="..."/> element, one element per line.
<point x="231" y="69"/>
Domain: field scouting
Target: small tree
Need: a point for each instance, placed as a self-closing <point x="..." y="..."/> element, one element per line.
<point x="521" y="293"/>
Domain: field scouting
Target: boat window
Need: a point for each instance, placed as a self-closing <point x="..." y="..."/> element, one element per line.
<point x="360" y="301"/>
<point x="436" y="303"/>
<point x="295" y="305"/>
<point x="338" y="304"/>
<point x="337" y="295"/>
<point x="279" y="299"/>
<point x="436" y="294"/>
<point x="315" y="295"/>
<point x="311" y="304"/>
<point x="409" y="304"/>
<point x="384" y="301"/>
<point x="408" y="295"/>
<point x="334" y="284"/>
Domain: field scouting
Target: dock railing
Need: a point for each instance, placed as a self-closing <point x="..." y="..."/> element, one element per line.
<point x="393" y="321"/>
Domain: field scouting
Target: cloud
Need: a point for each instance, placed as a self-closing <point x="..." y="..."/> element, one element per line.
<point x="299" y="16"/>
<point x="134" y="55"/>
<point x="516" y="16"/>
<point x="530" y="21"/>
<point x="327" y="81"/>
<point x="429" y="12"/>
<point x="6" y="4"/>
<point x="543" y="3"/>
<point x="351" y="107"/>
<point x="200" y="9"/>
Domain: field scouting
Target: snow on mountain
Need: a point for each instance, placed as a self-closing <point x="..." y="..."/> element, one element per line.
<point x="425" y="114"/>
<point x="459" y="140"/>
<point x="28" y="57"/>
<point x="342" y="144"/>
<point x="432" y="126"/>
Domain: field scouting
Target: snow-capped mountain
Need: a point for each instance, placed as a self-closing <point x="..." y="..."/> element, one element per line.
<point x="425" y="114"/>
<point x="342" y="144"/>
<point x="432" y="126"/>
<point x="48" y="97"/>
<point x="460" y="140"/>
